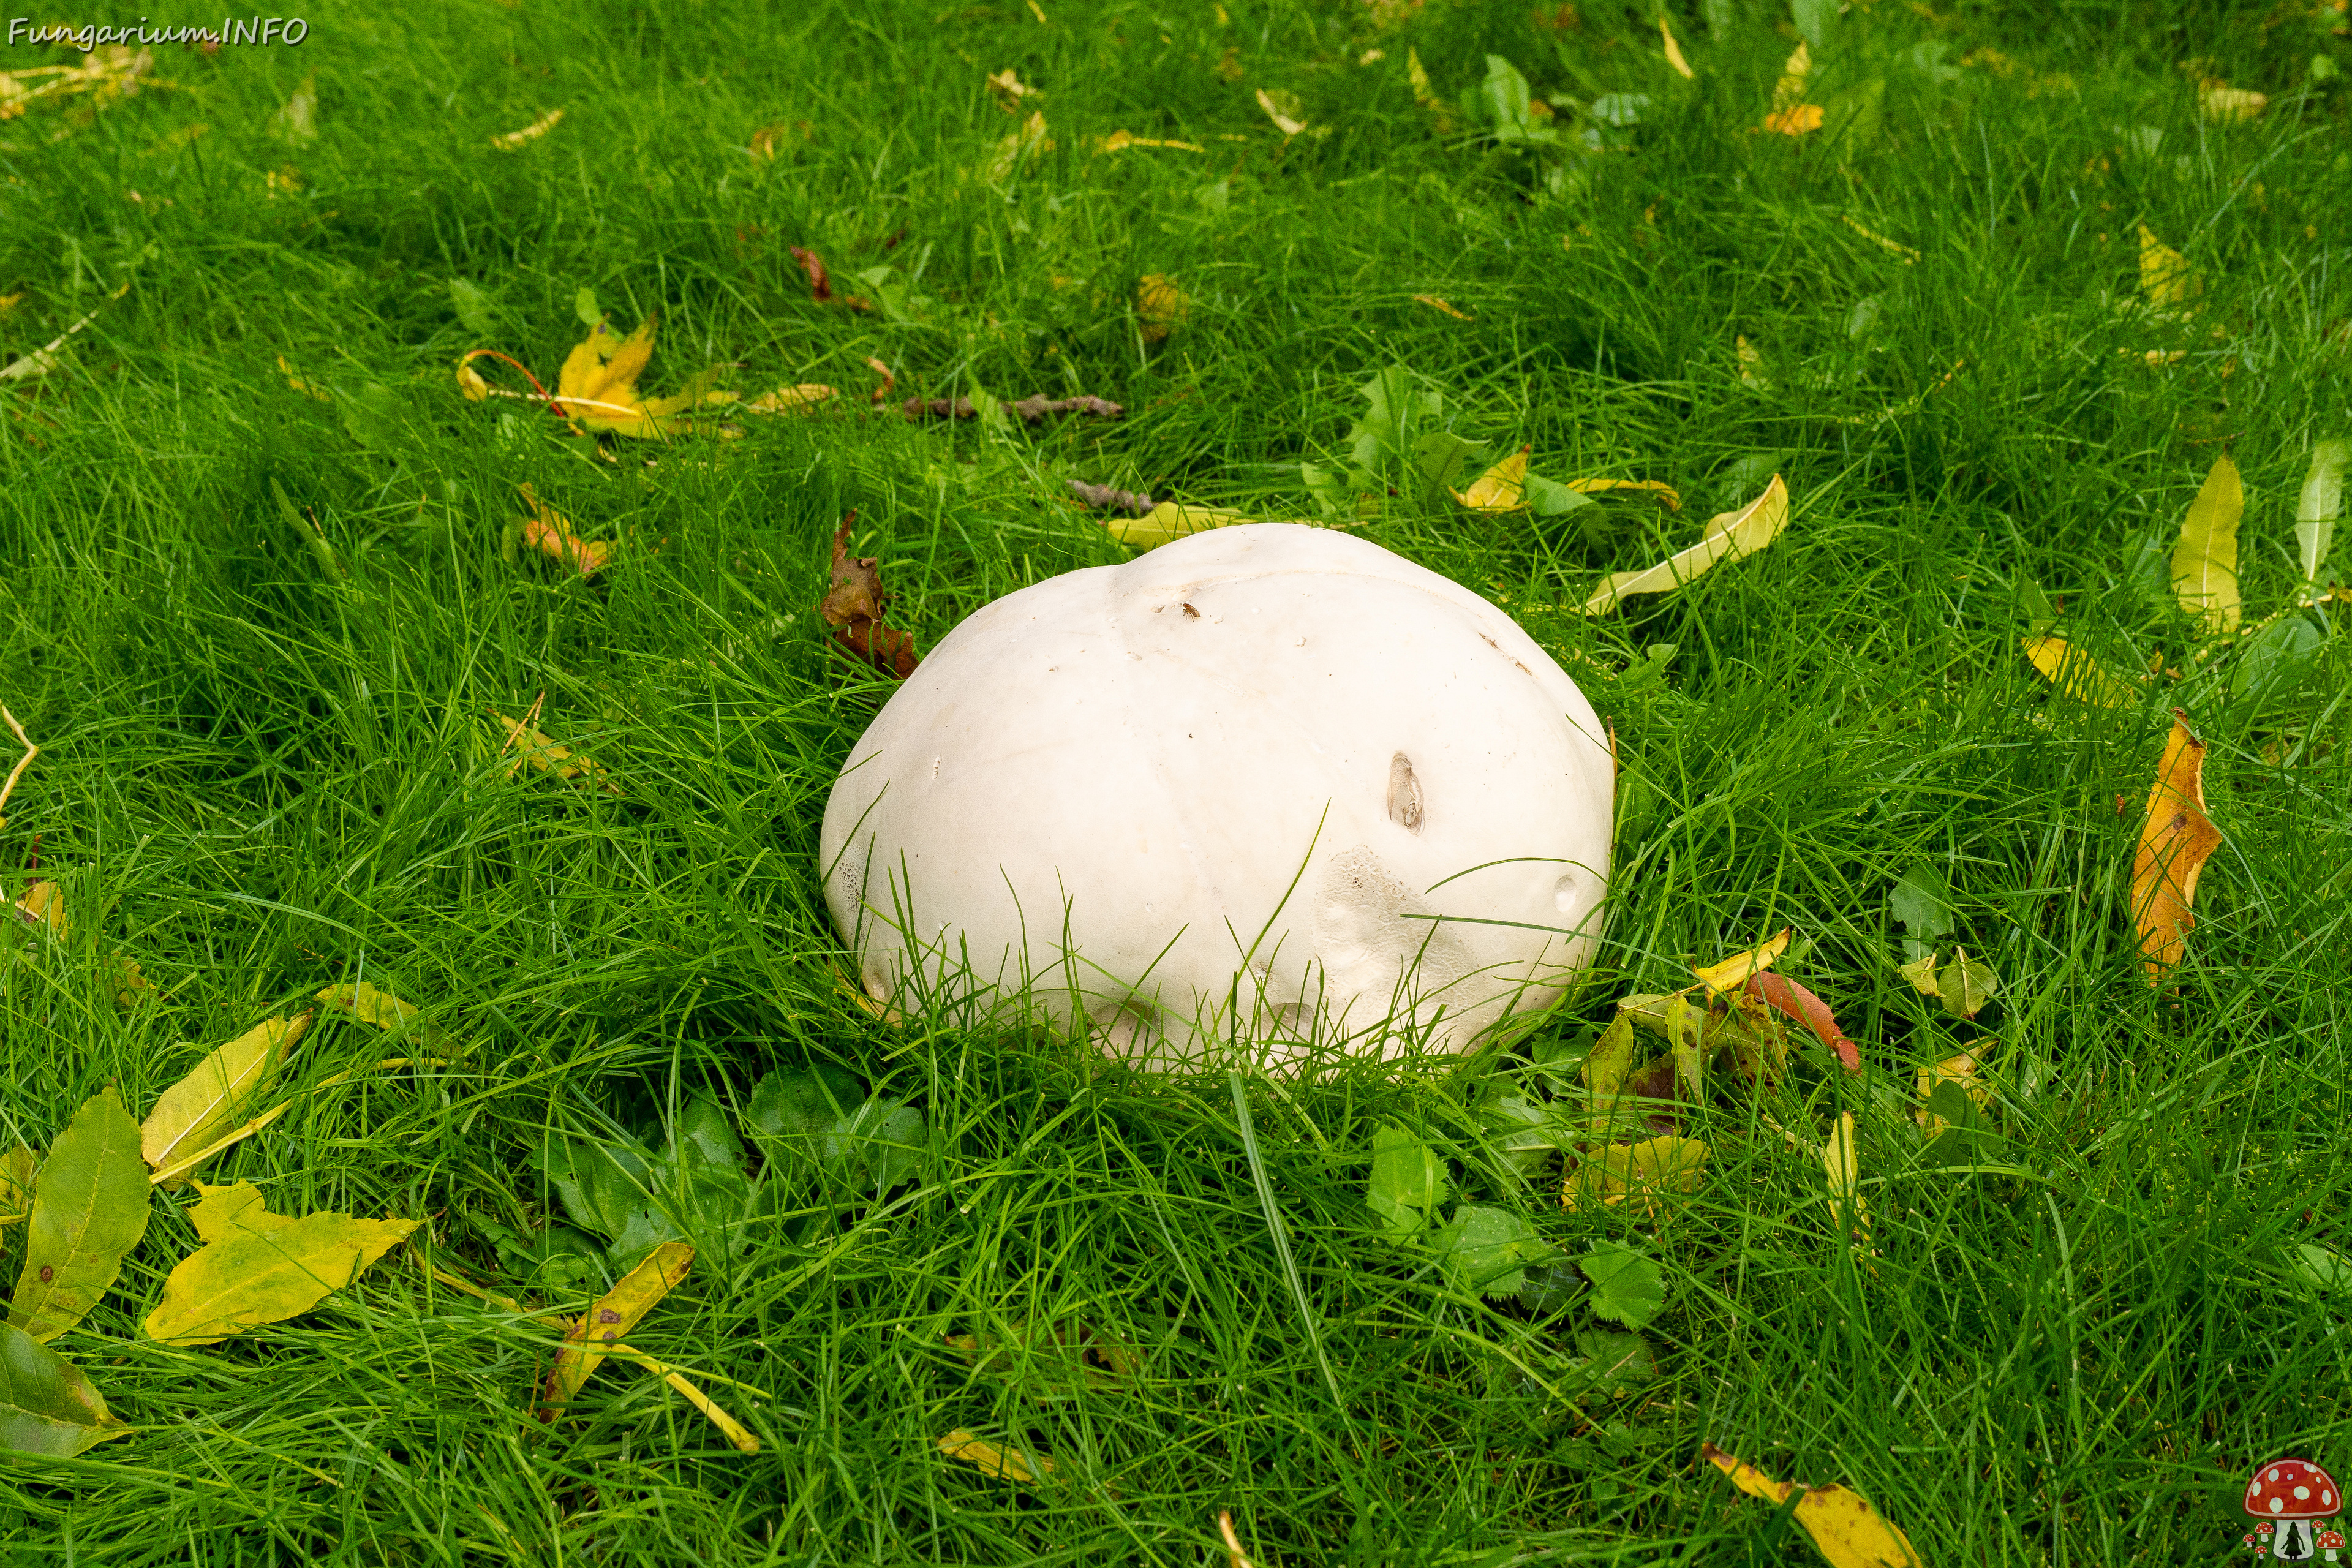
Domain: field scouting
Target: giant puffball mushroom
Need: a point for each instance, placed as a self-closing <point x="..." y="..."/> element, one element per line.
<point x="1267" y="783"/>
<point x="2292" y="1492"/>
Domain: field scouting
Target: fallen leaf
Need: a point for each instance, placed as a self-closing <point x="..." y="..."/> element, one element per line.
<point x="1959" y="1070"/>
<point x="802" y="399"/>
<point x="1751" y="364"/>
<point x="2164" y="276"/>
<point x="1169" y="521"/>
<point x="1282" y="109"/>
<point x="1502" y="488"/>
<point x="1909" y="255"/>
<point x="734" y="1431"/>
<point x="2226" y="105"/>
<point x="1121" y="141"/>
<point x="193" y="1112"/>
<point x="1160" y="306"/>
<point x="1785" y="996"/>
<point x="1674" y="60"/>
<point x="2205" y="561"/>
<point x="369" y="1003"/>
<point x="1647" y="1173"/>
<point x="1966" y="984"/>
<point x="547" y="757"/>
<point x="310" y="389"/>
<point x="1789" y="89"/>
<point x="549" y="531"/>
<point x="1848" y="1213"/>
<point x="1844" y="1529"/>
<point x="821" y="282"/>
<point x="598" y="386"/>
<point x="46" y="1405"/>
<point x="16" y="1168"/>
<point x="1686" y="1043"/>
<point x="1733" y="972"/>
<point x="853" y="606"/>
<point x="889" y="381"/>
<point x="614" y="1313"/>
<point x="1030" y="137"/>
<point x="1417" y="76"/>
<point x="89" y="1209"/>
<point x="258" y="1268"/>
<point x="1104" y="498"/>
<point x="1030" y="410"/>
<point x="2316" y="504"/>
<point x="44" y="904"/>
<point x="1025" y="1468"/>
<point x="1798" y="120"/>
<point x="1731" y="534"/>
<point x="1435" y="303"/>
<point x="1234" y="1556"/>
<point x="1921" y="974"/>
<point x="2079" y="675"/>
<point x="508" y="141"/>
<point x="164" y="1175"/>
<point x="1010" y="90"/>
<point x="2174" y="844"/>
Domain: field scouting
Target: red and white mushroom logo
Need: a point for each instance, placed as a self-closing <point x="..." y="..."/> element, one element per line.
<point x="2290" y="1494"/>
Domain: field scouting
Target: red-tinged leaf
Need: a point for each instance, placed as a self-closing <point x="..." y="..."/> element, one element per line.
<point x="1779" y="992"/>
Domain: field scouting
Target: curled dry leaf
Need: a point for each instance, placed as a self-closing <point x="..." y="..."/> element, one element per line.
<point x="1785" y="996"/>
<point x="2174" y="844"/>
<point x="1010" y="90"/>
<point x="509" y="141"/>
<point x="853" y="606"/>
<point x="1234" y="1556"/>
<point x="193" y="1113"/>
<point x="821" y="282"/>
<point x="549" y="531"/>
<point x="1103" y="497"/>
<point x="888" y="382"/>
<point x="614" y="1313"/>
<point x="2079" y="675"/>
<point x="1844" y="1527"/>
<point x="1026" y="1469"/>
<point x="2205" y="561"/>
<point x="260" y="1267"/>
<point x="1730" y="534"/>
<point x="89" y="1209"/>
<point x="1282" y="109"/>
<point x="8" y="787"/>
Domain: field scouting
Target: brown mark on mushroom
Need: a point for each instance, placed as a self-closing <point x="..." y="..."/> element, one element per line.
<point x="1498" y="648"/>
<point x="1404" y="794"/>
<point x="1191" y="614"/>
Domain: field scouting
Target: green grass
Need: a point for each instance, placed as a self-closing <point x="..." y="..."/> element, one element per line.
<point x="256" y="779"/>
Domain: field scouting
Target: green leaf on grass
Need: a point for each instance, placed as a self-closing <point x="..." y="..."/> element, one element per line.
<point x="89" y="1209"/>
<point x="1408" y="1180"/>
<point x="2323" y="1269"/>
<point x="260" y="1267"/>
<point x="46" y="1405"/>
<point x="584" y="306"/>
<point x="473" y="307"/>
<point x="1922" y="905"/>
<point x="2205" y="560"/>
<point x="1487" y="1250"/>
<point x="2321" y="498"/>
<point x="1626" y="1285"/>
<point x="1613" y="1363"/>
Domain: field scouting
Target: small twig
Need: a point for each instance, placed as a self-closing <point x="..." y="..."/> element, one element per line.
<point x="31" y="750"/>
<point x="1032" y="410"/>
<point x="1102" y="498"/>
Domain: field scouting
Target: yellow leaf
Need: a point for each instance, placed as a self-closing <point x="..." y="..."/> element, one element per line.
<point x="1732" y="973"/>
<point x="372" y="1005"/>
<point x="299" y="384"/>
<point x="1282" y="109"/>
<point x="1847" y="1210"/>
<point x="1791" y="89"/>
<point x="1664" y="492"/>
<point x="2079" y="675"/>
<point x="2226" y="105"/>
<point x="1025" y="1468"/>
<point x="1797" y="119"/>
<point x="1909" y="255"/>
<point x="16" y="1168"/>
<point x="2205" y="562"/>
<point x="1436" y="302"/>
<point x="1731" y="534"/>
<point x="1234" y="1556"/>
<point x="1121" y="141"/>
<point x="9" y="787"/>
<point x="1921" y="974"/>
<point x="614" y="1314"/>
<point x="1658" y="1169"/>
<point x="1686" y="1043"/>
<point x="44" y="904"/>
<point x="1160" y="306"/>
<point x="733" y="1430"/>
<point x="531" y="746"/>
<point x="193" y="1112"/>
<point x="258" y="1268"/>
<point x="1674" y="60"/>
<point x="598" y="386"/>
<point x="1010" y="90"/>
<point x="2164" y="273"/>
<point x="1417" y="75"/>
<point x="1751" y="364"/>
<point x="549" y="531"/>
<point x="1027" y="138"/>
<point x="180" y="1166"/>
<point x="2174" y="844"/>
<point x="1500" y="487"/>
<point x="1169" y="521"/>
<point x="801" y="399"/>
<point x="538" y="128"/>
<point x="1844" y="1529"/>
<point x="1961" y="1070"/>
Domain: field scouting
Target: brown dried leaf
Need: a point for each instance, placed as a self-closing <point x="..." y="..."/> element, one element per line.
<point x="550" y="531"/>
<point x="853" y="606"/>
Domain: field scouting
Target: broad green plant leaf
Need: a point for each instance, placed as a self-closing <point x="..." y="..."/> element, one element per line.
<point x="1966" y="984"/>
<point x="260" y="1267"/>
<point x="2205" y="561"/>
<point x="2323" y="1269"/>
<point x="615" y="1313"/>
<point x="2317" y="503"/>
<point x="46" y="1405"/>
<point x="1922" y="905"/>
<point x="1487" y="1250"/>
<point x="89" y="1209"/>
<point x="1626" y="1285"/>
<point x="1613" y="1363"/>
<point x="1844" y="1529"/>
<point x="193" y="1112"/>
<point x="1687" y="1042"/>
<point x="473" y="307"/>
<point x="1408" y="1180"/>
<point x="1730" y="535"/>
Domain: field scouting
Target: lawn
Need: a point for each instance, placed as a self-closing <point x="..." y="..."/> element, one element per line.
<point x="265" y="583"/>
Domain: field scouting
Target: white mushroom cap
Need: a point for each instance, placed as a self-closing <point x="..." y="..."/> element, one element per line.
<point x="2293" y="1489"/>
<point x="1268" y="780"/>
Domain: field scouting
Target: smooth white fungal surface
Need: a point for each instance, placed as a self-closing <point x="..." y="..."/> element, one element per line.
<point x="1267" y="782"/>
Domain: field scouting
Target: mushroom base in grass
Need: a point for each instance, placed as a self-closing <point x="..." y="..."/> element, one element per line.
<point x="1269" y="783"/>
